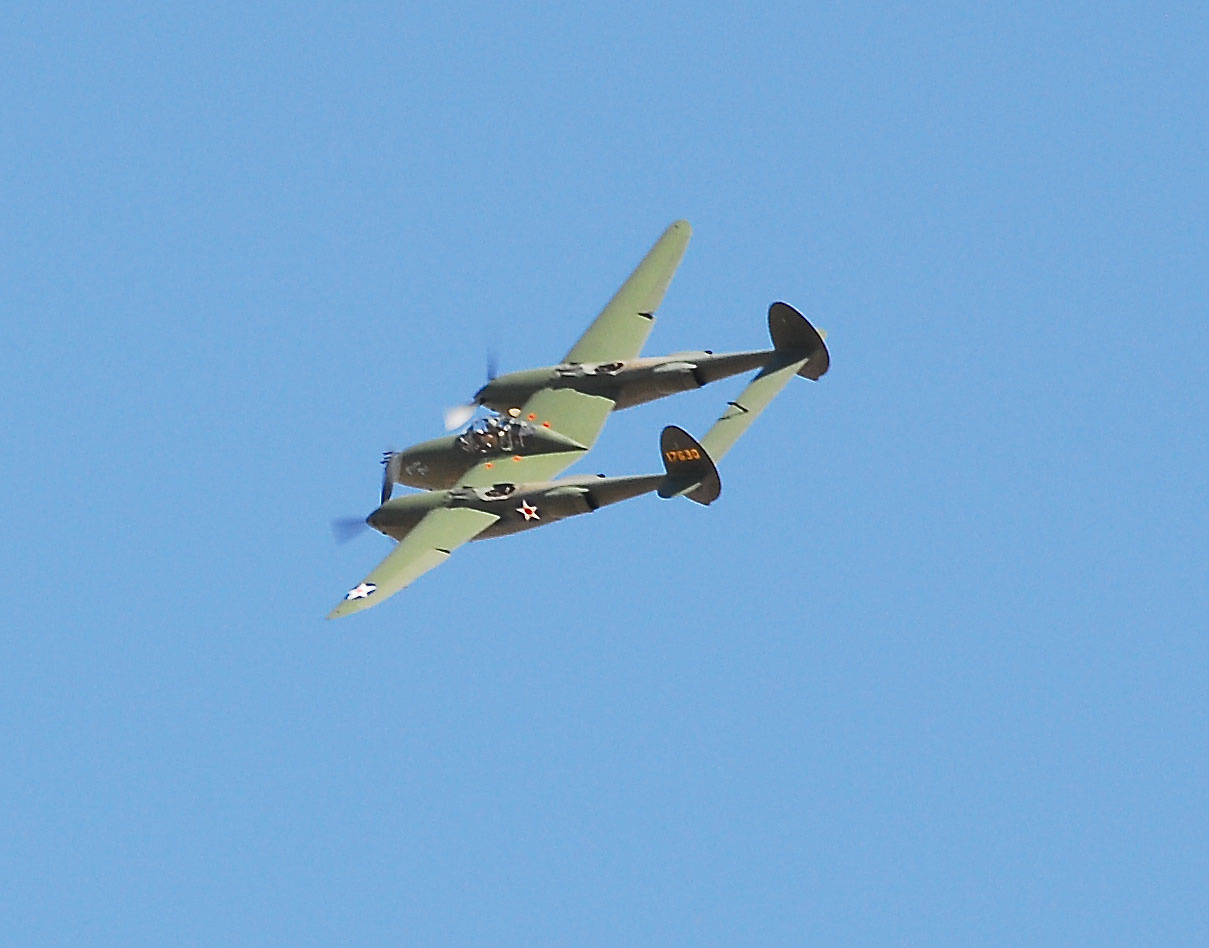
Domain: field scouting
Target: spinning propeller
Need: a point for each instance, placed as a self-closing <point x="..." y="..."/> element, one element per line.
<point x="345" y="528"/>
<point x="457" y="415"/>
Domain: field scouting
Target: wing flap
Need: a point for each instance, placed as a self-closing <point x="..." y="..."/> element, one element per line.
<point x="622" y="327"/>
<point x="426" y="547"/>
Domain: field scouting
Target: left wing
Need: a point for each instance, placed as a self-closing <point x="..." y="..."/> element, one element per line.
<point x="426" y="547"/>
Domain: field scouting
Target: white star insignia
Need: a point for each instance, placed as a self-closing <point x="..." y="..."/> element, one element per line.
<point x="364" y="591"/>
<point x="528" y="511"/>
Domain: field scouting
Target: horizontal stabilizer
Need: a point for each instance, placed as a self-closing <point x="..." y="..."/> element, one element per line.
<point x="690" y="470"/>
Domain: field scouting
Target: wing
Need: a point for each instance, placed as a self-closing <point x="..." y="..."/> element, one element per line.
<point x="752" y="400"/>
<point x="624" y="324"/>
<point x="618" y="333"/>
<point x="427" y="546"/>
<point x="578" y="416"/>
<point x="797" y="343"/>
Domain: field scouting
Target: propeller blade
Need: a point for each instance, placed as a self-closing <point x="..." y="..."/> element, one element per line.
<point x="391" y="462"/>
<point x="345" y="528"/>
<point x="458" y="415"/>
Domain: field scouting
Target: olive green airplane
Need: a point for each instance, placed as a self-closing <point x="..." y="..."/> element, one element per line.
<point x="430" y="525"/>
<point x="549" y="417"/>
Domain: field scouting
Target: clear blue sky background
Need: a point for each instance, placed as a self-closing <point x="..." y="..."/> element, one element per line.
<point x="931" y="672"/>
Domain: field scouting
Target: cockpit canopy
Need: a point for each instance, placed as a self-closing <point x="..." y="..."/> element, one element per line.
<point x="494" y="435"/>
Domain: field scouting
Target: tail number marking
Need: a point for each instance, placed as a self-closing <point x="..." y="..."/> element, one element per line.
<point x="689" y="454"/>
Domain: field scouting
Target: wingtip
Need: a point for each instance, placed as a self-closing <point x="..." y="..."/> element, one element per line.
<point x="342" y="609"/>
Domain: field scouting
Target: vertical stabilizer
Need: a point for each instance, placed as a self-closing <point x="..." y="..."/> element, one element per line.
<point x="690" y="470"/>
<point x="793" y="335"/>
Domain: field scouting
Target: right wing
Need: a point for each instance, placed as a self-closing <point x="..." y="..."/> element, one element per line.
<point x="426" y="547"/>
<point x="622" y="327"/>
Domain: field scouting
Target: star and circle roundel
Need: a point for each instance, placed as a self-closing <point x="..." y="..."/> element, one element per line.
<point x="528" y="511"/>
<point x="364" y="591"/>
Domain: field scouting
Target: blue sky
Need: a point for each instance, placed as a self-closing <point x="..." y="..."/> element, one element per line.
<point x="930" y="672"/>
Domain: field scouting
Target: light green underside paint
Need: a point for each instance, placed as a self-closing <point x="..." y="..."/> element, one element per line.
<point x="578" y="416"/>
<point x="747" y="407"/>
<point x="574" y="414"/>
<point x="619" y="332"/>
<point x="426" y="547"/>
<point x="539" y="467"/>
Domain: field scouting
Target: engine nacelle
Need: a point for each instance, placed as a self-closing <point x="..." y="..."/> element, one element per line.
<point x="673" y="377"/>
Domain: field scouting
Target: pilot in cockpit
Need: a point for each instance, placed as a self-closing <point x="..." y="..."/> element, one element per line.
<point x="488" y="435"/>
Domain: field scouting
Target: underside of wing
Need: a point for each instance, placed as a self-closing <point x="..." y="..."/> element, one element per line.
<point x="425" y="547"/>
<point x="573" y="414"/>
<point x="800" y="349"/>
<point x="622" y="327"/>
<point x="745" y="409"/>
<point x="525" y="470"/>
<point x="617" y="334"/>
